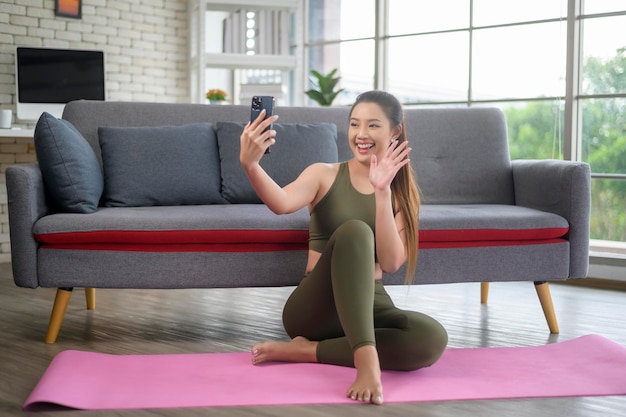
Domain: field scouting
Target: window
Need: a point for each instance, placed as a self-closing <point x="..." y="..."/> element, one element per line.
<point x="336" y="39"/>
<point x="512" y="55"/>
<point x="424" y="16"/>
<point x="498" y="12"/>
<point x="523" y="61"/>
<point x="434" y="70"/>
<point x="603" y="135"/>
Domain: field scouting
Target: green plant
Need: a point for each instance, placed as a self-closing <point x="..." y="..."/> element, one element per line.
<point x="325" y="84"/>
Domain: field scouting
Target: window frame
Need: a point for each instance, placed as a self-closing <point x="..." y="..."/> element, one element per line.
<point x="573" y="97"/>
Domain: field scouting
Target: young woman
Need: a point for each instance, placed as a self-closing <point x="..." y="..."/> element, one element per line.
<point x="364" y="218"/>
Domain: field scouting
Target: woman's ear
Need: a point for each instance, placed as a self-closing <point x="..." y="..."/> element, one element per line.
<point x="396" y="132"/>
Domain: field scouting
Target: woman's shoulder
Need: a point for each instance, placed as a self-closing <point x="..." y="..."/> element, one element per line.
<point x="324" y="175"/>
<point x="320" y="169"/>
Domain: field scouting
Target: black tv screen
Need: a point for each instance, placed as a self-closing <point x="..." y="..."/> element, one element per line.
<point x="59" y="75"/>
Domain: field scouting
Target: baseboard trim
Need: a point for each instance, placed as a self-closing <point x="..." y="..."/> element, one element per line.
<point x="606" y="284"/>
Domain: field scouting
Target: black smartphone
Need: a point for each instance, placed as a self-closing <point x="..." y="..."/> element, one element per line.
<point x="260" y="103"/>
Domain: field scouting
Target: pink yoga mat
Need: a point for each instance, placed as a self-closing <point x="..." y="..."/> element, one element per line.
<point x="587" y="366"/>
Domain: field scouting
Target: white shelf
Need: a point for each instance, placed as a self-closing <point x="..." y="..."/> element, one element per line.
<point x="240" y="61"/>
<point x="17" y="133"/>
<point x="278" y="45"/>
<point x="234" y="5"/>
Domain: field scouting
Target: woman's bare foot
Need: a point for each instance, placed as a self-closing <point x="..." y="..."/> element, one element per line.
<point x="299" y="349"/>
<point x="367" y="386"/>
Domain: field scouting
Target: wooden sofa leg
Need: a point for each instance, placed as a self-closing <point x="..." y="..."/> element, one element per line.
<point x="484" y="292"/>
<point x="58" y="312"/>
<point x="543" y="291"/>
<point x="90" y="296"/>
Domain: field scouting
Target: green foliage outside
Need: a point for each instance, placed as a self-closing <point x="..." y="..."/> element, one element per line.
<point x="534" y="133"/>
<point x="532" y="130"/>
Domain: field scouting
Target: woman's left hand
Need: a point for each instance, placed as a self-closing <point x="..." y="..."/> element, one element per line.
<point x="382" y="173"/>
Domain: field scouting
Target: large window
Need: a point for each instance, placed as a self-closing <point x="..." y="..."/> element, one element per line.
<point x="603" y="129"/>
<point x="434" y="70"/>
<point x="557" y="68"/>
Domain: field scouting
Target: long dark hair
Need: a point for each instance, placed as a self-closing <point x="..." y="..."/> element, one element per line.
<point x="404" y="186"/>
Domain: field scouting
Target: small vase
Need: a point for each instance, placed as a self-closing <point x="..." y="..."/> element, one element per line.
<point x="215" y="101"/>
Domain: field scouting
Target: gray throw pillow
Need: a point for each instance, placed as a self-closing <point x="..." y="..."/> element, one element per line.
<point x="70" y="167"/>
<point x="297" y="146"/>
<point x="160" y="166"/>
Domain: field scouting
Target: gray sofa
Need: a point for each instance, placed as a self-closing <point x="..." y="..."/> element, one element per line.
<point x="171" y="207"/>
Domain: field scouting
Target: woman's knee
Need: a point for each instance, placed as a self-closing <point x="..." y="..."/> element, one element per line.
<point x="429" y="347"/>
<point x="422" y="345"/>
<point x="354" y="231"/>
<point x="355" y="227"/>
<point x="353" y="248"/>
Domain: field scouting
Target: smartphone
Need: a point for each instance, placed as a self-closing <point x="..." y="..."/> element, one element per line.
<point x="260" y="103"/>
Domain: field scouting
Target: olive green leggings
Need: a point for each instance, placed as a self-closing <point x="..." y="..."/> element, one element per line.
<point x="341" y="305"/>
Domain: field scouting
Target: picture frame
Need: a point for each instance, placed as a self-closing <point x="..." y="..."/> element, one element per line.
<point x="69" y="8"/>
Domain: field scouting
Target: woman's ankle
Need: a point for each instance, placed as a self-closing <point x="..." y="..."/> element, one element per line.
<point x="366" y="360"/>
<point x="367" y="386"/>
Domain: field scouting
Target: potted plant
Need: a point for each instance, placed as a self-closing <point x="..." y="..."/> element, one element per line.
<point x="325" y="92"/>
<point x="216" y="95"/>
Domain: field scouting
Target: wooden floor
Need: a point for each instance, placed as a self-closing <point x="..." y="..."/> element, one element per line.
<point x="231" y="320"/>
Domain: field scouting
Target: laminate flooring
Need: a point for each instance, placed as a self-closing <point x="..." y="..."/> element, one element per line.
<point x="232" y="320"/>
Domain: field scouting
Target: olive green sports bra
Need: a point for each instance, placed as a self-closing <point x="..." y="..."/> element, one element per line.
<point x="341" y="203"/>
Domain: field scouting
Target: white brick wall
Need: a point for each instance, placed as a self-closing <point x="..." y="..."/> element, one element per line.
<point x="145" y="45"/>
<point x="12" y="151"/>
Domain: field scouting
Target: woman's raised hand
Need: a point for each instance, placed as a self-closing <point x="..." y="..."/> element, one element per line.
<point x="384" y="171"/>
<point x="256" y="138"/>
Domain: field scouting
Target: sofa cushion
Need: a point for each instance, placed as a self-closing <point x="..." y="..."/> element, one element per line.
<point x="193" y="228"/>
<point x="160" y="166"/>
<point x="253" y="227"/>
<point x="297" y="146"/>
<point x="475" y="225"/>
<point x="70" y="168"/>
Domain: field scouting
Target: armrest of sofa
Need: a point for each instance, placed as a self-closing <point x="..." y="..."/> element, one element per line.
<point x="27" y="203"/>
<point x="563" y="188"/>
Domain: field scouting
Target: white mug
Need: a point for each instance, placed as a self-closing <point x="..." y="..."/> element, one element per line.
<point x="6" y="117"/>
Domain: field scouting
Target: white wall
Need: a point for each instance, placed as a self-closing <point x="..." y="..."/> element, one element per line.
<point x="145" y="45"/>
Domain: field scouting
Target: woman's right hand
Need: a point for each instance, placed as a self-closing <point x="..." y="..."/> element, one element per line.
<point x="255" y="139"/>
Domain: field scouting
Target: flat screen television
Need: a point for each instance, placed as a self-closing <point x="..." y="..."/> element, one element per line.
<point x="47" y="79"/>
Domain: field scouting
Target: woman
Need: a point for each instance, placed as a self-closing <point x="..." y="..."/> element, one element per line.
<point x="364" y="215"/>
